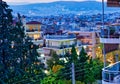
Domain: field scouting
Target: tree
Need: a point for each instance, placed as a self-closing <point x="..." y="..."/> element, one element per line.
<point x="94" y="70"/>
<point x="67" y="72"/>
<point x="74" y="55"/>
<point x="71" y="57"/>
<point x="5" y="44"/>
<point x="18" y="55"/>
<point x="83" y="57"/>
<point x="89" y="72"/>
<point x="81" y="65"/>
<point x="54" y="60"/>
<point x="97" y="68"/>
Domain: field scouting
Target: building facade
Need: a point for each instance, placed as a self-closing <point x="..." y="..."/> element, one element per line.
<point x="33" y="29"/>
<point x="60" y="44"/>
<point x="88" y="39"/>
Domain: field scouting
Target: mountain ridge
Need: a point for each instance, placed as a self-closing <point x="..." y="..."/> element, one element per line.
<point x="61" y="7"/>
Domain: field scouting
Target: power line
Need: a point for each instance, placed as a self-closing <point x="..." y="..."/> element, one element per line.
<point x="28" y="79"/>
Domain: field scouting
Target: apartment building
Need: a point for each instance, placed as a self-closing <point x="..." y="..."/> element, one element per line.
<point x="60" y="44"/>
<point x="88" y="39"/>
<point x="33" y="30"/>
<point x="110" y="37"/>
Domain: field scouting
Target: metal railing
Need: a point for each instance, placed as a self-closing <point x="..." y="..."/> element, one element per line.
<point x="62" y="46"/>
<point x="111" y="74"/>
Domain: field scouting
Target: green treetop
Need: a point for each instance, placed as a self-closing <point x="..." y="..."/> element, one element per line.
<point x="18" y="55"/>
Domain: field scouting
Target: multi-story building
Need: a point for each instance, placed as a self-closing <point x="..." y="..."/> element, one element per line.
<point x="60" y="44"/>
<point x="33" y="30"/>
<point x="110" y="37"/>
<point x="88" y="39"/>
<point x="110" y="40"/>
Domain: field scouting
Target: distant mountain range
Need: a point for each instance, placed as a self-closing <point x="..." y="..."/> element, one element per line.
<point x="62" y="7"/>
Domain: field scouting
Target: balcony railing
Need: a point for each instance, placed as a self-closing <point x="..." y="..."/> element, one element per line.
<point x="110" y="40"/>
<point x="113" y="38"/>
<point x="37" y="42"/>
<point x="111" y="74"/>
<point x="32" y="30"/>
<point x="110" y="32"/>
<point x="62" y="46"/>
<point x="60" y="37"/>
<point x="110" y="36"/>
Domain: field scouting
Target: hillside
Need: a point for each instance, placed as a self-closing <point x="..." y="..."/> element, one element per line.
<point x="62" y="7"/>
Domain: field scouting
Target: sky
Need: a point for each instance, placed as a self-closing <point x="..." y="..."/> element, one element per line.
<point x="45" y="1"/>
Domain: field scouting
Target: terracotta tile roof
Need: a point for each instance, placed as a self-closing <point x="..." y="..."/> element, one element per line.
<point x="33" y="22"/>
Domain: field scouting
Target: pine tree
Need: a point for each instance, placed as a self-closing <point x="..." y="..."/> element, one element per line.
<point x="74" y="55"/>
<point x="89" y="72"/>
<point x="97" y="68"/>
<point x="83" y="57"/>
<point x="54" y="60"/>
<point x="71" y="57"/>
<point x="18" y="55"/>
<point x="80" y="67"/>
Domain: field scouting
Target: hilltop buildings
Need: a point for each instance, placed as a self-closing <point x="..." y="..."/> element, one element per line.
<point x="50" y="33"/>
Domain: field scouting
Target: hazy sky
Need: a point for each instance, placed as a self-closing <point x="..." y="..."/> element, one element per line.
<point x="34" y="1"/>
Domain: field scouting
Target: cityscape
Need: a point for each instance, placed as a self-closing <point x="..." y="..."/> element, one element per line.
<point x="60" y="42"/>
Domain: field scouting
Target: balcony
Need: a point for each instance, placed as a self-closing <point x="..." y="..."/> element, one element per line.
<point x="61" y="47"/>
<point x="111" y="38"/>
<point x="60" y="37"/>
<point x="33" y="30"/>
<point x="38" y="42"/>
<point x="111" y="74"/>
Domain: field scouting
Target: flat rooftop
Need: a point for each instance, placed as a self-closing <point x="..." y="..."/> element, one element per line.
<point x="60" y="37"/>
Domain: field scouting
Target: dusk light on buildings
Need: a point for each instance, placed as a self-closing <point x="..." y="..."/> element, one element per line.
<point x="60" y="42"/>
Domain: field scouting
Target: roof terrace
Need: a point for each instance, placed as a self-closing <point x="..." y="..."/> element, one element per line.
<point x="60" y="37"/>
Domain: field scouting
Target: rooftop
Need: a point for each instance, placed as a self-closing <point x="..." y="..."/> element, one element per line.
<point x="60" y="37"/>
<point x="33" y="22"/>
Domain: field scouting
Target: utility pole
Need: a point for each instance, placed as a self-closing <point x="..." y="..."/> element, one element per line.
<point x="73" y="73"/>
<point x="104" y="55"/>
